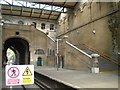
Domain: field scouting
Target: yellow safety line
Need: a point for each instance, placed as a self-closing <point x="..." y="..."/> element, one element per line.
<point x="109" y="71"/>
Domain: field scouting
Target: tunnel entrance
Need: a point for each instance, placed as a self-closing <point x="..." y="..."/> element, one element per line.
<point x="21" y="49"/>
<point x="10" y="56"/>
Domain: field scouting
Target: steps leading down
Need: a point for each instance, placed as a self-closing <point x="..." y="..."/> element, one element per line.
<point x="104" y="64"/>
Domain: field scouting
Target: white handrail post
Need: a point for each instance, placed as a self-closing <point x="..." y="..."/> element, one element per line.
<point x="10" y="63"/>
<point x="95" y="65"/>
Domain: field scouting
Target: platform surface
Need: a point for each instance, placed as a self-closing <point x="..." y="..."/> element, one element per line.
<point x="80" y="79"/>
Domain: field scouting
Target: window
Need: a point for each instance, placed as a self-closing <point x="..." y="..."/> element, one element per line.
<point x="53" y="52"/>
<point x="51" y="26"/>
<point x="7" y="21"/>
<point x="39" y="51"/>
<point x="20" y="22"/>
<point x="48" y="52"/>
<point x="43" y="26"/>
<point x="34" y="23"/>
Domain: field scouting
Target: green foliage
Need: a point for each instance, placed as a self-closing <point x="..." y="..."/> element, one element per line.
<point x="11" y="54"/>
<point x="113" y="26"/>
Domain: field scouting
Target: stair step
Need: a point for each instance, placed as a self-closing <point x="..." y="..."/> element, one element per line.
<point x="104" y="64"/>
<point x="88" y="51"/>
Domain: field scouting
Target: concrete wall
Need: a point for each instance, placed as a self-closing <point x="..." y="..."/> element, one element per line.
<point x="35" y="38"/>
<point x="88" y="25"/>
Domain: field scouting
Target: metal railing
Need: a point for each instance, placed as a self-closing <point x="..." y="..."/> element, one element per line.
<point x="86" y="58"/>
<point x="102" y="54"/>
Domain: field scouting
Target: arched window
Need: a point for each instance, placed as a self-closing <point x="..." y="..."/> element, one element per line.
<point x="39" y="51"/>
<point x="34" y="24"/>
<point x="51" y="26"/>
<point x="43" y="26"/>
<point x="7" y="21"/>
<point x="20" y="22"/>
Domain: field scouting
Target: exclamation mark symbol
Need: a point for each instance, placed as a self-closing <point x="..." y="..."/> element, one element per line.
<point x="27" y="71"/>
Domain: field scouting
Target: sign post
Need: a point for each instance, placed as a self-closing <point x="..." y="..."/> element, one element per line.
<point x="10" y="63"/>
<point x="19" y="75"/>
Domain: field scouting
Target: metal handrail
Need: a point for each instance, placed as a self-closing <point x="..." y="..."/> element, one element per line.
<point x="102" y="54"/>
<point x="79" y="49"/>
<point x="84" y="53"/>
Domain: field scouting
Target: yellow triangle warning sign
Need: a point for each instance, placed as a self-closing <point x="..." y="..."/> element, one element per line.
<point x="27" y="72"/>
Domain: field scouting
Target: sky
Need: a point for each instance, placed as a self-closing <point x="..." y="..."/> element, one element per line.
<point x="31" y="5"/>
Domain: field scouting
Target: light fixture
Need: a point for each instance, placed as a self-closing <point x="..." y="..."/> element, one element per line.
<point x="66" y="36"/>
<point x="94" y="31"/>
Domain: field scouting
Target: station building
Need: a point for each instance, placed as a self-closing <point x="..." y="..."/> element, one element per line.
<point x="39" y="32"/>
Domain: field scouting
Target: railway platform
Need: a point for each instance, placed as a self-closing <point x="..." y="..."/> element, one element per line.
<point x="81" y="79"/>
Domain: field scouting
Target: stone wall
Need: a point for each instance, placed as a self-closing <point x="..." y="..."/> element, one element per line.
<point x="51" y="50"/>
<point x="35" y="38"/>
<point x="88" y="25"/>
<point x="51" y="61"/>
<point x="29" y="21"/>
<point x="118" y="32"/>
<point x="74" y="59"/>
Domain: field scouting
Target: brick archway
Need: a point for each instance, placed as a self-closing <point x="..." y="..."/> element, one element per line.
<point x="20" y="47"/>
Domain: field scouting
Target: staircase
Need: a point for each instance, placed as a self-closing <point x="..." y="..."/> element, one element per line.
<point x="106" y="65"/>
<point x="105" y="62"/>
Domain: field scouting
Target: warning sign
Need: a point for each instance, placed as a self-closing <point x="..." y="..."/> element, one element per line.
<point x="13" y="72"/>
<point x="13" y="81"/>
<point x="17" y="76"/>
<point x="27" y="72"/>
<point x="27" y="80"/>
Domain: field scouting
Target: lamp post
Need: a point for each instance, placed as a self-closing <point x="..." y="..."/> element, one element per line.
<point x="57" y="40"/>
<point x="57" y="52"/>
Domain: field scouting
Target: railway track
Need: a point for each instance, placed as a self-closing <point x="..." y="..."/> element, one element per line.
<point x="42" y="85"/>
<point x="23" y="87"/>
<point x="42" y="82"/>
<point x="46" y="83"/>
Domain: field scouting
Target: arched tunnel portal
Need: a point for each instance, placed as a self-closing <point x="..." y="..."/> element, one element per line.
<point x="20" y="48"/>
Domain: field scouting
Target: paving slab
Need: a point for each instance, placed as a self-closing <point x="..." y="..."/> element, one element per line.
<point x="80" y="79"/>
